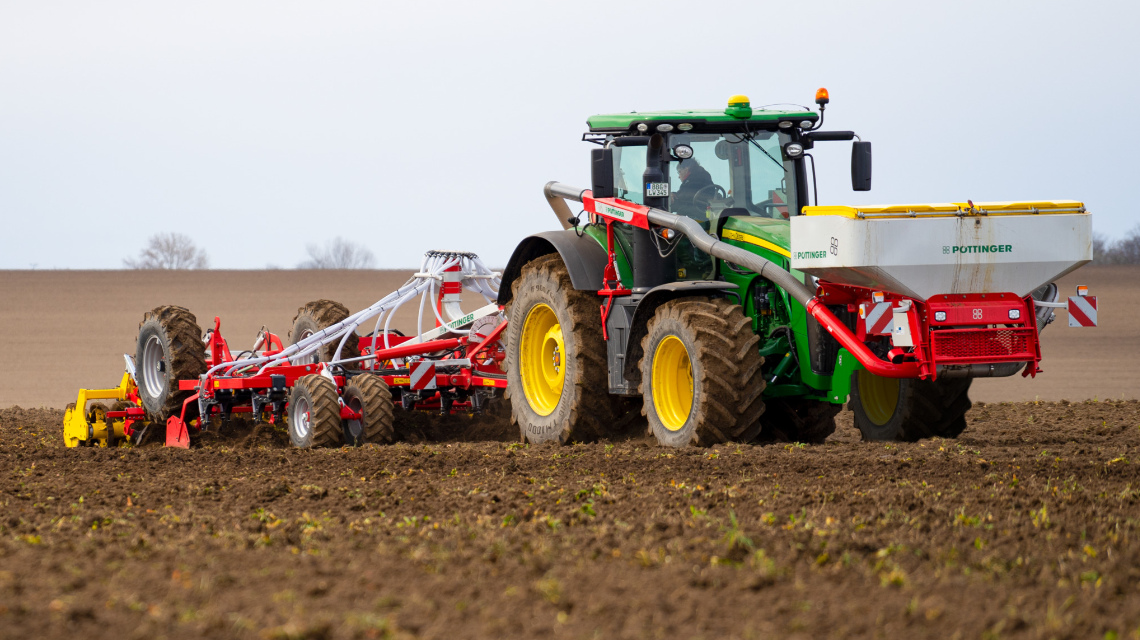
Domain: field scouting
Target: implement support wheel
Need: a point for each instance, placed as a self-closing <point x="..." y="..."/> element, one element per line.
<point x="318" y="315"/>
<point x="556" y="357"/>
<point x="909" y="410"/>
<point x="700" y="376"/>
<point x="169" y="349"/>
<point x="368" y="395"/>
<point x="314" y="413"/>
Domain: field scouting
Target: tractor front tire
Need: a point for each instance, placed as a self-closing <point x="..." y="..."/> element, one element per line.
<point x="700" y="375"/>
<point x="556" y="366"/>
<point x="318" y="315"/>
<point x="169" y="349"/>
<point x="368" y="395"/>
<point x="909" y="410"/>
<point x="314" y="413"/>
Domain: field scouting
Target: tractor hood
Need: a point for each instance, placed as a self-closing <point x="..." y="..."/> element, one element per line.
<point x="767" y="233"/>
<point x="931" y="249"/>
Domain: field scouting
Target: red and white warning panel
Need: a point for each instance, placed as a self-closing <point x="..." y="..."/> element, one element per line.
<point x="1082" y="311"/>
<point x="877" y="318"/>
<point x="422" y="375"/>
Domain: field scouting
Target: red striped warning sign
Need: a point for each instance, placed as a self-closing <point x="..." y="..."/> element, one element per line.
<point x="877" y="318"/>
<point x="1082" y="311"/>
<point x="422" y="375"/>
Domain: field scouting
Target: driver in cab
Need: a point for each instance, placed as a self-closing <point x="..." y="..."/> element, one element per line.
<point x="694" y="178"/>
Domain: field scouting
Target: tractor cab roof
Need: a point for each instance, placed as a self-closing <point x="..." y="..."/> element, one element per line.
<point x="738" y="111"/>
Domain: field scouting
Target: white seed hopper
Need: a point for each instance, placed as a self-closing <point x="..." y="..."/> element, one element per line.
<point x="931" y="249"/>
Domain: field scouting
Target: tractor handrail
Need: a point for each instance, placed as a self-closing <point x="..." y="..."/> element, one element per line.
<point x="766" y="269"/>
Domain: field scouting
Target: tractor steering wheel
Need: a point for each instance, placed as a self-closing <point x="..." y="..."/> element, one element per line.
<point x="715" y="191"/>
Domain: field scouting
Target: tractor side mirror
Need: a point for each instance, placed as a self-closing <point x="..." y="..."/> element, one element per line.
<point x="861" y="166"/>
<point x="602" y="172"/>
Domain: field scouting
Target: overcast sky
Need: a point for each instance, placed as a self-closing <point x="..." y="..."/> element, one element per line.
<point x="259" y="127"/>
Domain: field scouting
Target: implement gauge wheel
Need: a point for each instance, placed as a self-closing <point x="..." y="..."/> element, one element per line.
<point x="314" y="413"/>
<point x="368" y="395"/>
<point x="317" y="315"/>
<point x="700" y="376"/>
<point x="909" y="410"/>
<point x="169" y="349"/>
<point x="556" y="367"/>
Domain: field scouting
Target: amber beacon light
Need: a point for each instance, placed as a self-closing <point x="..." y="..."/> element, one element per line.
<point x="821" y="97"/>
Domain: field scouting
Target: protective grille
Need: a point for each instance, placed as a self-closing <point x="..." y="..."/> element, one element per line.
<point x="983" y="345"/>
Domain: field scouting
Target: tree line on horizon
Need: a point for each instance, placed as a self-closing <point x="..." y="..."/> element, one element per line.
<point x="177" y="251"/>
<point x="1123" y="251"/>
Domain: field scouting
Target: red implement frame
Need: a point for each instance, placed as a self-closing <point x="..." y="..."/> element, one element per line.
<point x="177" y="427"/>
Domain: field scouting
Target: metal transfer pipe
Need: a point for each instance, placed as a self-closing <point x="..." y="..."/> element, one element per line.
<point x="766" y="269"/>
<point x="786" y="281"/>
<point x="556" y="194"/>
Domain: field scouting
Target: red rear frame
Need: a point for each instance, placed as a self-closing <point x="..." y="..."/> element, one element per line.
<point x="977" y="328"/>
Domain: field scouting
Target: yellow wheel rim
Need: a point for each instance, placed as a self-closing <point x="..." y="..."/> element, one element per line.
<point x="542" y="353"/>
<point x="672" y="383"/>
<point x="879" y="396"/>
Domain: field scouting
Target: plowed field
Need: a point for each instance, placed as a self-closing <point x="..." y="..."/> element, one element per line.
<point x="1026" y="526"/>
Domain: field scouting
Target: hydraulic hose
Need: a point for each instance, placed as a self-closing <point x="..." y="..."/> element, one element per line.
<point x="766" y="269"/>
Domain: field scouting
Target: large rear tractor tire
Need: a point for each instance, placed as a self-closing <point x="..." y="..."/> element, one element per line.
<point x="909" y="410"/>
<point x="556" y="358"/>
<point x="318" y="315"/>
<point x="700" y="376"/>
<point x="169" y="349"/>
<point x="798" y="420"/>
<point x="370" y="396"/>
<point x="314" y="413"/>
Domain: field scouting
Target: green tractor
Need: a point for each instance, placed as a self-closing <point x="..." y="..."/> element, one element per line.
<point x="698" y="277"/>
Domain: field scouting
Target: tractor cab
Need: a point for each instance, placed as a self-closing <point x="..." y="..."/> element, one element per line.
<point x="740" y="173"/>
<point x="707" y="165"/>
<point x="733" y="162"/>
<point x="715" y="174"/>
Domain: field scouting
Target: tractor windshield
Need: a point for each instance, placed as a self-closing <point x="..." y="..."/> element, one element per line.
<point x="729" y="174"/>
<point x="732" y="174"/>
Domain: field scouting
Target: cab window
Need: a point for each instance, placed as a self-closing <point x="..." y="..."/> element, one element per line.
<point x="629" y="165"/>
<point x="732" y="171"/>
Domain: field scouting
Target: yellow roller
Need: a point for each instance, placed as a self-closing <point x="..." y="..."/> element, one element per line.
<point x="91" y="428"/>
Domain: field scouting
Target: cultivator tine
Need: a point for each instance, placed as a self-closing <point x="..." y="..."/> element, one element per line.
<point x="176" y="433"/>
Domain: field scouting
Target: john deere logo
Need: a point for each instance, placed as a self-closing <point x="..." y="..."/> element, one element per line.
<point x="810" y="255"/>
<point x="977" y="248"/>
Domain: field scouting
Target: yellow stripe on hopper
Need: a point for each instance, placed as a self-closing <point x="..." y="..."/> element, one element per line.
<point x="946" y="209"/>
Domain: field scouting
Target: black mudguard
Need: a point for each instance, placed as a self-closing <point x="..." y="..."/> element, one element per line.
<point x="585" y="259"/>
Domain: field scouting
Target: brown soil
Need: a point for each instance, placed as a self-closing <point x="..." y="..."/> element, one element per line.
<point x="1026" y="526"/>
<point x="68" y="329"/>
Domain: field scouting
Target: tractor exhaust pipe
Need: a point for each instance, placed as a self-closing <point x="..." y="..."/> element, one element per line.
<point x="766" y="269"/>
